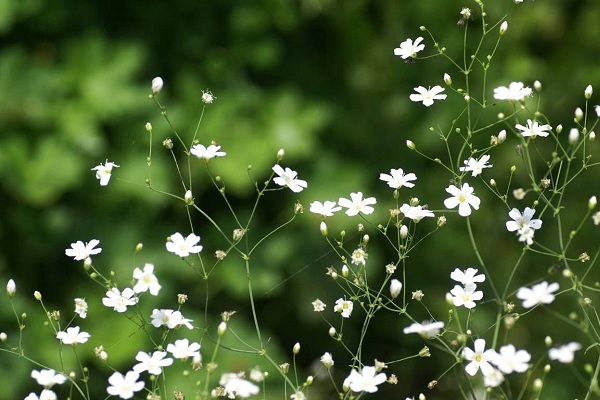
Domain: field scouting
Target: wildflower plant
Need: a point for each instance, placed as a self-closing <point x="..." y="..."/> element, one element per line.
<point x="474" y="327"/>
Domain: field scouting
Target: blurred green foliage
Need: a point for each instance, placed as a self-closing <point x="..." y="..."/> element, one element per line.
<point x="316" y="77"/>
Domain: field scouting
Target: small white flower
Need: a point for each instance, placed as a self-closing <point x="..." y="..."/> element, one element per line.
<point x="359" y="257"/>
<point x="467" y="277"/>
<point x="365" y="380"/>
<point x="48" y="377"/>
<point x="208" y="97"/>
<point x="327" y="360"/>
<point x="118" y="300"/>
<point x="409" y="49"/>
<point x="509" y="360"/>
<point x="104" y="171"/>
<point x="183" y="349"/>
<point x="463" y="198"/>
<point x="522" y="220"/>
<point x="326" y="209"/>
<point x="564" y="354"/>
<point x="427" y="96"/>
<point x="466" y="296"/>
<point x="397" y="179"/>
<point x="169" y="318"/>
<point x="494" y="379"/>
<point x="206" y="153"/>
<point x="183" y="247"/>
<point x="516" y="91"/>
<point x="415" y="213"/>
<point x="596" y="218"/>
<point x="80" y="251"/>
<point x="541" y="293"/>
<point x="358" y="204"/>
<point x="146" y="280"/>
<point x="476" y="166"/>
<point x="234" y="386"/>
<point x="533" y="129"/>
<point x="153" y="363"/>
<point x="288" y="178"/>
<point x="344" y="307"/>
<point x="124" y="386"/>
<point x="46" y="394"/>
<point x="81" y="307"/>
<point x="157" y="85"/>
<point x="480" y="358"/>
<point x="73" y="336"/>
<point x="426" y="330"/>
<point x="318" y="305"/>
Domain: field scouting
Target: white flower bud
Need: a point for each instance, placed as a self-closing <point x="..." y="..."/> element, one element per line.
<point x="148" y="126"/>
<point x="447" y="80"/>
<point x="403" y="231"/>
<point x="345" y="271"/>
<point x="37" y="295"/>
<point x="296" y="348"/>
<point x="591" y="203"/>
<point x="597" y="109"/>
<point x="559" y="128"/>
<point x="323" y="228"/>
<point x="11" y="288"/>
<point x="395" y="288"/>
<point x="578" y="114"/>
<point x="410" y="145"/>
<point x="502" y="136"/>
<point x="548" y="341"/>
<point x="280" y="154"/>
<point x="573" y="136"/>
<point x="3" y="337"/>
<point x="222" y="328"/>
<point x="157" y="85"/>
<point x="503" y="27"/>
<point x="592" y="136"/>
<point x="332" y="332"/>
<point x="588" y="92"/>
<point x="537" y="85"/>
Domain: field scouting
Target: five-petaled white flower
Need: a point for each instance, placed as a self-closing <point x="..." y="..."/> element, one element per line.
<point x="183" y="349"/>
<point x="183" y="247"/>
<point x="73" y="336"/>
<point x="415" y="213"/>
<point x="516" y="91"/>
<point x="426" y="330"/>
<point x="80" y="251"/>
<point x="48" y="377"/>
<point x="541" y="293"/>
<point x="153" y="363"/>
<point x="344" y="307"/>
<point x="467" y="277"/>
<point x="365" y="380"/>
<point x="124" y="386"/>
<point x="81" y="307"/>
<point x="409" y="49"/>
<point x="509" y="360"/>
<point x="288" y="178"/>
<point x="480" y="358"/>
<point x="206" y="153"/>
<point x="463" y="198"/>
<point x="233" y="385"/>
<point x="466" y="296"/>
<point x="118" y="300"/>
<point x="522" y="220"/>
<point x="146" y="280"/>
<point x="427" y="96"/>
<point x="474" y="166"/>
<point x="533" y="129"/>
<point x="169" y="318"/>
<point x="357" y="204"/>
<point x="359" y="257"/>
<point x="397" y="179"/>
<point x="104" y="171"/>
<point x="326" y="209"/>
<point x="564" y="354"/>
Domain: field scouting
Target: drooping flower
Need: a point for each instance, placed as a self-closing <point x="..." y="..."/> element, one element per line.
<point x="80" y="251"/>
<point x="409" y="49"/>
<point x="118" y="300"/>
<point x="357" y="204"/>
<point x="183" y="349"/>
<point x="146" y="280"/>
<point x="318" y="306"/>
<point x="81" y="307"/>
<point x="207" y="153"/>
<point x="365" y="380"/>
<point x="541" y="293"/>
<point x="48" y="377"/>
<point x="467" y="277"/>
<point x="104" y="172"/>
<point x="426" y="330"/>
<point x="235" y="386"/>
<point x="516" y="91"/>
<point x="480" y="358"/>
<point x="327" y="360"/>
<point x="344" y="307"/>
<point x="466" y="296"/>
<point x="397" y="179"/>
<point x="288" y="178"/>
<point x="153" y="363"/>
<point x="564" y="354"/>
<point x="533" y="129"/>
<point x="463" y="198"/>
<point x="183" y="247"/>
<point x="427" y="96"/>
<point x="124" y="386"/>
<point x="73" y="336"/>
<point x="476" y="166"/>
<point x="326" y="209"/>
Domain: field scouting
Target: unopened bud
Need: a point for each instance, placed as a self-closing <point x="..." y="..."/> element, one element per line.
<point x="502" y="136"/>
<point x="296" y="348"/>
<point x="588" y="92"/>
<point x="332" y="332"/>
<point x="578" y="114"/>
<point x="222" y="328"/>
<point x="37" y="295"/>
<point x="573" y="136"/>
<point x="447" y="80"/>
<point x="503" y="27"/>
<point x="3" y="337"/>
<point x="592" y="136"/>
<point x="559" y="128"/>
<point x="537" y="85"/>
<point x="148" y="126"/>
<point x="548" y="341"/>
<point x="410" y="145"/>
<point x="157" y="84"/>
<point x="323" y="228"/>
<point x="280" y="154"/>
<point x="592" y="202"/>
<point x="395" y="288"/>
<point x="345" y="271"/>
<point x="11" y="288"/>
<point x="403" y="231"/>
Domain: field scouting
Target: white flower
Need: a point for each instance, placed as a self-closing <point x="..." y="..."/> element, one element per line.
<point x="327" y="360"/>
<point x="466" y="296"/>
<point x="169" y="318"/>
<point x="124" y="386"/>
<point x="326" y="209"/>
<point x="298" y="396"/>
<point x="344" y="307"/>
<point x="467" y="277"/>
<point x="522" y="220"/>
<point x="365" y="381"/>
<point x="415" y="213"/>
<point x="146" y="280"/>
<point x="516" y="91"/>
<point x="48" y="377"/>
<point x="426" y="330"/>
<point x="183" y="247"/>
<point x="357" y="204"/>
<point x="157" y="85"/>
<point x="257" y="375"/>
<point x="494" y="379"/>
<point x="596" y="218"/>
<point x="476" y="166"/>
<point x="359" y="257"/>
<point x="533" y="129"/>
<point x="153" y="363"/>
<point x="80" y="251"/>
<point x="11" y="288"/>
<point x="480" y="358"/>
<point x="118" y="300"/>
<point x="73" y="336"/>
<point x="81" y="307"/>
<point x="234" y="386"/>
<point x="564" y="354"/>
<point x="509" y="360"/>
<point x="409" y="49"/>
<point x="540" y="293"/>
<point x="463" y="198"/>
<point x="206" y="153"/>
<point x="208" y="97"/>
<point x="288" y="178"/>
<point x="318" y="305"/>
<point x="427" y="96"/>
<point x="46" y="394"/>
<point x="397" y="179"/>
<point x="104" y="171"/>
<point x="183" y="349"/>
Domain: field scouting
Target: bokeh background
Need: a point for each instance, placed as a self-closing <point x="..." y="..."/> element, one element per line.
<point x="315" y="77"/>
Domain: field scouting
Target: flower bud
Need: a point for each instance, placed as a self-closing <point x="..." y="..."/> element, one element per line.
<point x="188" y="198"/>
<point x="591" y="203"/>
<point x="547" y="368"/>
<point x="309" y="380"/>
<point x="502" y="136"/>
<point x="559" y="128"/>
<point x="503" y="27"/>
<point x="37" y="295"/>
<point x="222" y="328"/>
<point x="157" y="85"/>
<point x="548" y="341"/>
<point x="403" y="231"/>
<point x="11" y="288"/>
<point x="296" y="348"/>
<point x="3" y="337"/>
<point x="592" y="136"/>
<point x="280" y="154"/>
<point x="345" y="271"/>
<point x="410" y="145"/>
<point x="573" y="136"/>
<point x="332" y="332"/>
<point x="139" y="247"/>
<point x="578" y="114"/>
<point x="537" y="85"/>
<point x="395" y="288"/>
<point x="323" y="228"/>
<point x="588" y="92"/>
<point x="447" y="80"/>
<point x="148" y="126"/>
<point x="538" y="384"/>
